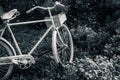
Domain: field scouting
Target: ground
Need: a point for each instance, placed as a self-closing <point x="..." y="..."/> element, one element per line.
<point x="94" y="25"/>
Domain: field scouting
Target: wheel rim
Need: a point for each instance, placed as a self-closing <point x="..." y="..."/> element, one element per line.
<point x="64" y="45"/>
<point x="5" y="70"/>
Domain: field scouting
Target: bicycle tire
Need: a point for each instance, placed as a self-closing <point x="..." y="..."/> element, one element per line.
<point x="5" y="70"/>
<point x="62" y="45"/>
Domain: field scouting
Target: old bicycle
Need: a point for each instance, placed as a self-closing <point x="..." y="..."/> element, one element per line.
<point x="62" y="43"/>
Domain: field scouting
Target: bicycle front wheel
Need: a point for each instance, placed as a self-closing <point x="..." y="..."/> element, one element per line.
<point x="64" y="45"/>
<point x="5" y="70"/>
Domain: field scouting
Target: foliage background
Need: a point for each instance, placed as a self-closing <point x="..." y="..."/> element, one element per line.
<point x="95" y="27"/>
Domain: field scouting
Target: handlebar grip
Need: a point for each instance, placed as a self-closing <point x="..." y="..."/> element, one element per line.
<point x="30" y="10"/>
<point x="62" y="5"/>
<point x="58" y="3"/>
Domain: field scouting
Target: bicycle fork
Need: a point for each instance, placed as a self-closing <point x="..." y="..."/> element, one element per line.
<point x="54" y="46"/>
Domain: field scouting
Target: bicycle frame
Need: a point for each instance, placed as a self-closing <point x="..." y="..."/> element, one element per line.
<point x="24" y="61"/>
<point x="8" y="25"/>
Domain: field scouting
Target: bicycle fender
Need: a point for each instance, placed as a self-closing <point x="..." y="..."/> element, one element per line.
<point x="4" y="40"/>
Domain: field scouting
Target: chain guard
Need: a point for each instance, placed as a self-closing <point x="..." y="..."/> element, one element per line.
<point x="23" y="61"/>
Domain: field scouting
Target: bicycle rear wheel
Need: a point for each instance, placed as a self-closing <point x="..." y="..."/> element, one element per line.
<point x="63" y="45"/>
<point x="5" y="50"/>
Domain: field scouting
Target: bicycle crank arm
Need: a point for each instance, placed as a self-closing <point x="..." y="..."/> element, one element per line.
<point x="16" y="59"/>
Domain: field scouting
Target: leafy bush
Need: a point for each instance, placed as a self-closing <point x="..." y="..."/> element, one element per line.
<point x="94" y="25"/>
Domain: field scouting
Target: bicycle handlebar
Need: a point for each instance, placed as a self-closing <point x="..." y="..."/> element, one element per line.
<point x="45" y="8"/>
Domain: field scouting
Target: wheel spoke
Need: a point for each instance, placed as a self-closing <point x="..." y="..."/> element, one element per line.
<point x="64" y="45"/>
<point x="60" y="39"/>
<point x="63" y="33"/>
<point x="5" y="51"/>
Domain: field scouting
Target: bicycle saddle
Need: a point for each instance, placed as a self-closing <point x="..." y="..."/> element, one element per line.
<point x="10" y="14"/>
